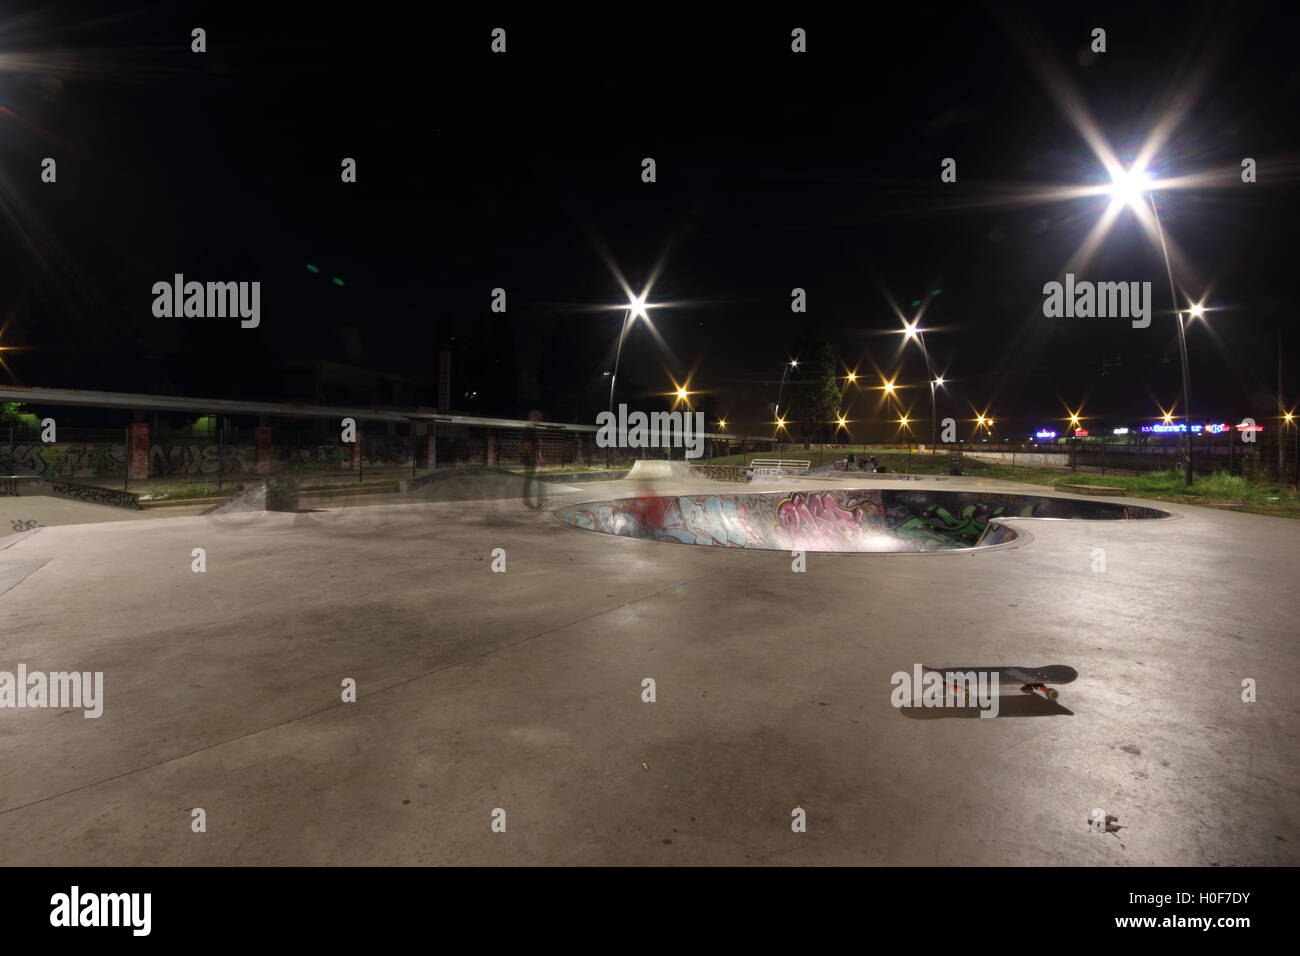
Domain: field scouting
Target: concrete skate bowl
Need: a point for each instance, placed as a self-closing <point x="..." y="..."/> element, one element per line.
<point x="872" y="520"/>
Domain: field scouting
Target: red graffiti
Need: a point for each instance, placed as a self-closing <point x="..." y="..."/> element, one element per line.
<point x="815" y="521"/>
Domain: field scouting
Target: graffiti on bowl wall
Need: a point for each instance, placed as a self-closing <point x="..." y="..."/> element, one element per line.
<point x="863" y="520"/>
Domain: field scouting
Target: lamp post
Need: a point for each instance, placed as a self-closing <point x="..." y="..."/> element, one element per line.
<point x="636" y="308"/>
<point x="914" y="331"/>
<point x="1288" y="421"/>
<point x="1133" y="187"/>
<point x="890" y="390"/>
<point x="793" y="363"/>
<point x="1182" y="347"/>
<point x="929" y="371"/>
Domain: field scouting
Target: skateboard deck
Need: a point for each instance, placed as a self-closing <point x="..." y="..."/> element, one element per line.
<point x="1031" y="679"/>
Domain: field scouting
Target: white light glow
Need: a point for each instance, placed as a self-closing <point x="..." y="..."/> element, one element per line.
<point x="1129" y="186"/>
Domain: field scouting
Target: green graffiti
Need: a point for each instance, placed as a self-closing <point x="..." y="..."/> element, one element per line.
<point x="940" y="528"/>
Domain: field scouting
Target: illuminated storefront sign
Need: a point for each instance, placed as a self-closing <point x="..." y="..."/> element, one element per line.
<point x="1081" y="433"/>
<point x="1044" y="433"/>
<point x="1119" y="431"/>
<point x="1182" y="427"/>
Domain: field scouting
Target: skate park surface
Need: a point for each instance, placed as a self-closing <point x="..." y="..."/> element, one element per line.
<point x="522" y="691"/>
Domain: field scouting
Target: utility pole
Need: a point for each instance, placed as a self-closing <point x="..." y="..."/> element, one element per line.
<point x="1281" y="409"/>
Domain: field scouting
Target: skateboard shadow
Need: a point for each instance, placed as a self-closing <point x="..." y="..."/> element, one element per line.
<point x="1022" y="705"/>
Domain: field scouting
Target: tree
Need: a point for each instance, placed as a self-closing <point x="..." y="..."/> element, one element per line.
<point x="820" y="397"/>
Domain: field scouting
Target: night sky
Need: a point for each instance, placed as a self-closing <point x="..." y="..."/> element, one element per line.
<point x="522" y="170"/>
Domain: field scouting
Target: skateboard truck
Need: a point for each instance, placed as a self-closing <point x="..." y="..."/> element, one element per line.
<point x="1032" y="680"/>
<point x="1051" y="693"/>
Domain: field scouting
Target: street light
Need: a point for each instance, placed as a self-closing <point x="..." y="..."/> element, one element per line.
<point x="776" y="411"/>
<point x="914" y="331"/>
<point x="636" y="309"/>
<point x="1132" y="187"/>
<point x="1295" y="474"/>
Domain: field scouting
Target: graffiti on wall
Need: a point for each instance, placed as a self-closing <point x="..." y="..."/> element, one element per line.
<point x="866" y="520"/>
<point x="102" y="460"/>
<point x="829" y="520"/>
<point x="720" y="472"/>
<point x="704" y="519"/>
<point x="65" y="459"/>
<point x="91" y="493"/>
<point x="821" y="521"/>
<point x="941" y="528"/>
<point x="202" y="459"/>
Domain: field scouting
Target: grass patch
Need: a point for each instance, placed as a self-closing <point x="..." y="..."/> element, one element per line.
<point x="189" y="489"/>
<point x="1217" y="489"/>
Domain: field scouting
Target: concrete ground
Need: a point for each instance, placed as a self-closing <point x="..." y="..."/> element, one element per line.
<point x="522" y="691"/>
<point x="24" y="512"/>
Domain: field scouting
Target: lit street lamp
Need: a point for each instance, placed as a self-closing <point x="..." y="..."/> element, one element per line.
<point x="914" y="331"/>
<point x="1132" y="187"/>
<point x="793" y="363"/>
<point x="636" y="309"/>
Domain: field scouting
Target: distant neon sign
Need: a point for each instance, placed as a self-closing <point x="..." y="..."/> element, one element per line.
<point x="1081" y="433"/>
<point x="1182" y="427"/>
<point x="1044" y="433"/>
<point x="1119" y="431"/>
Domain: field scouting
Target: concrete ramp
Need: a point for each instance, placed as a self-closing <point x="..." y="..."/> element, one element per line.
<point x="13" y="572"/>
<point x="651" y="469"/>
<point x="274" y="495"/>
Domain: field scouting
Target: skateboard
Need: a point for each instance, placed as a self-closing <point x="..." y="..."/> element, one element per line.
<point x="1031" y="679"/>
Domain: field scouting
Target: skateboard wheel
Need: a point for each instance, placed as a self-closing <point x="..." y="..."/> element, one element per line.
<point x="1027" y="689"/>
<point x="1053" y="694"/>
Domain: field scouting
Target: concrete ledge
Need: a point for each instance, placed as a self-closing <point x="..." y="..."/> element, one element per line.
<point x="174" y="502"/>
<point x="1093" y="490"/>
<point x="338" y="492"/>
<point x="304" y="493"/>
<point x="720" y="472"/>
<point x="78" y="492"/>
<point x="565" y="477"/>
